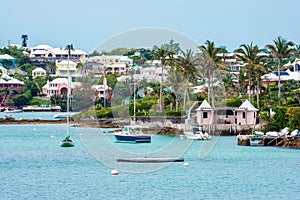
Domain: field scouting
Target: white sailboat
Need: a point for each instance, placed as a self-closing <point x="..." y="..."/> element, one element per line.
<point x="67" y="141"/>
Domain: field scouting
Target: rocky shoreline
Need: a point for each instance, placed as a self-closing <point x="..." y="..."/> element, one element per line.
<point x="93" y="124"/>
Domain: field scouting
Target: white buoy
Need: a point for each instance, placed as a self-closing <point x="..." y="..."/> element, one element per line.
<point x="114" y="172"/>
<point x="186" y="164"/>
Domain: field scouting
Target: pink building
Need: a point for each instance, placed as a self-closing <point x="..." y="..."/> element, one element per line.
<point x="246" y="114"/>
<point x="58" y="86"/>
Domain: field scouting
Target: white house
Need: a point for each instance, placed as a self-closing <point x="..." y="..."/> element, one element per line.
<point x="46" y="52"/>
<point x="284" y="76"/>
<point x="38" y="72"/>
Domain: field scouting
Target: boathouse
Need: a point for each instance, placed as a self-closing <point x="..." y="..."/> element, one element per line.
<point x="241" y="117"/>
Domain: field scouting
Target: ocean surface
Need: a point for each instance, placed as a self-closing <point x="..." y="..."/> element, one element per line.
<point x="34" y="166"/>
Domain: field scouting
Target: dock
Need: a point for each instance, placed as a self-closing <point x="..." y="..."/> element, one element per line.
<point x="278" y="141"/>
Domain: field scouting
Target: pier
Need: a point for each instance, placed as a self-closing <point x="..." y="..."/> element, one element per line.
<point x="278" y="141"/>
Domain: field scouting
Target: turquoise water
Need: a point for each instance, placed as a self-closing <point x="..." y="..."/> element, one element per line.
<point x="33" y="166"/>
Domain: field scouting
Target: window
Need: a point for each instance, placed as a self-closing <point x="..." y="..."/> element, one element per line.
<point x="254" y="115"/>
<point x="297" y="67"/>
<point x="244" y="115"/>
<point x="204" y="115"/>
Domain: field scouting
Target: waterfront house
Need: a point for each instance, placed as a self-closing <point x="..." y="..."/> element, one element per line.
<point x="245" y="115"/>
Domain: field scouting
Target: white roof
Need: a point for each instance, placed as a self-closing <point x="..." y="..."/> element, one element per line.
<point x="6" y="56"/>
<point x="39" y="52"/>
<point x="204" y="105"/>
<point x="42" y="47"/>
<point x="38" y="69"/>
<point x="247" y="105"/>
<point x="60" y="80"/>
<point x="7" y="79"/>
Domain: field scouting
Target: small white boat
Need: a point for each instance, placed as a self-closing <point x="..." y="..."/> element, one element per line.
<point x="259" y="133"/>
<point x="197" y="134"/>
<point x="294" y="132"/>
<point x="13" y="111"/>
<point x="282" y="132"/>
<point x="60" y="116"/>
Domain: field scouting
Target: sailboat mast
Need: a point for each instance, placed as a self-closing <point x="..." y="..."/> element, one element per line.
<point x="68" y="92"/>
<point x="134" y="103"/>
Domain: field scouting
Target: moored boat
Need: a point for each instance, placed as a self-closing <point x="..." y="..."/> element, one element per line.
<point x="60" y="116"/>
<point x="132" y="133"/>
<point x="197" y="134"/>
<point x="67" y="142"/>
<point x="13" y="111"/>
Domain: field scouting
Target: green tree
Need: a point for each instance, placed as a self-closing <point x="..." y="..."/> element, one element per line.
<point x="280" y="49"/>
<point x="24" y="40"/>
<point x="293" y="115"/>
<point x="187" y="63"/>
<point x="249" y="54"/>
<point x="165" y="57"/>
<point x="211" y="62"/>
<point x="175" y="80"/>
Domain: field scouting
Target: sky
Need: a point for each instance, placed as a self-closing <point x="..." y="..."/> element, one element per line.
<point x="90" y="23"/>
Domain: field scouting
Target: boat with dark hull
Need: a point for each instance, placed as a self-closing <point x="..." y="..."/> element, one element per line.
<point x="132" y="133"/>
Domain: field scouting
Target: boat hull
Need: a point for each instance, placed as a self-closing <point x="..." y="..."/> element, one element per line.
<point x="13" y="111"/>
<point x="64" y="143"/>
<point x="197" y="136"/>
<point x="133" y="138"/>
<point x="60" y="116"/>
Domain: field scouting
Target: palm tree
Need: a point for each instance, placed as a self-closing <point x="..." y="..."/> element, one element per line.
<point x="175" y="80"/>
<point x="227" y="83"/>
<point x="242" y="84"/>
<point x="187" y="64"/>
<point x="212" y="62"/>
<point x="70" y="48"/>
<point x="24" y="40"/>
<point x="249" y="54"/>
<point x="280" y="50"/>
<point x="165" y="57"/>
